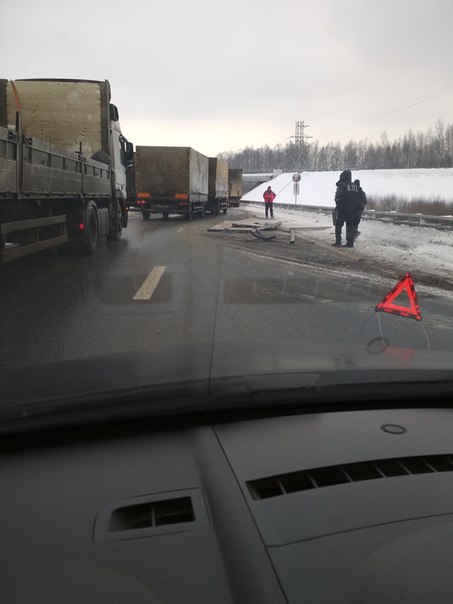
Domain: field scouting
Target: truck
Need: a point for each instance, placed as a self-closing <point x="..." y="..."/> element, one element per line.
<point x="218" y="186"/>
<point x="170" y="180"/>
<point x="63" y="166"/>
<point x="234" y="186"/>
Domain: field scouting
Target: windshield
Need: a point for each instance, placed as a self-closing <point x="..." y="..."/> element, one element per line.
<point x="223" y="197"/>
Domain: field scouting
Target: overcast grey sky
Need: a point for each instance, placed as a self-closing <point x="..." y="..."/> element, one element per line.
<point x="218" y="75"/>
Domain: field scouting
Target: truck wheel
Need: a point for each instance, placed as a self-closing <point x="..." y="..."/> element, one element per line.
<point x="203" y="211"/>
<point x="146" y="215"/>
<point x="224" y="211"/>
<point x="189" y="213"/>
<point x="216" y="209"/>
<point x="165" y="215"/>
<point x="91" y="242"/>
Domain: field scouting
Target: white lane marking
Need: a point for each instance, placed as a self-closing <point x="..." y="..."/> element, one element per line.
<point x="150" y="283"/>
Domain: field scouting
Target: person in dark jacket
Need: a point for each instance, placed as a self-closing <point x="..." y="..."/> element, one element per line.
<point x="269" y="197"/>
<point x="358" y="211"/>
<point x="347" y="199"/>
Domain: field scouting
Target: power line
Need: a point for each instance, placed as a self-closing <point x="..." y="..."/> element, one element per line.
<point x="391" y="111"/>
<point x="405" y="106"/>
<point x="424" y="119"/>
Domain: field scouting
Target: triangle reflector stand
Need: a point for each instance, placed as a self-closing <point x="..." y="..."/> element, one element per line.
<point x="387" y="304"/>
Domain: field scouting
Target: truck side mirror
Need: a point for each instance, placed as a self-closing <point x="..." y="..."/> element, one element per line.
<point x="114" y="113"/>
<point x="129" y="154"/>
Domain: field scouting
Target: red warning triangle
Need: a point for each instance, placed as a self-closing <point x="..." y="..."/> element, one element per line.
<point x="406" y="284"/>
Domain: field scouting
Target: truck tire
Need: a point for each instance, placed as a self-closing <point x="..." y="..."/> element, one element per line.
<point x="92" y="232"/>
<point x="225" y="211"/>
<point x="203" y="211"/>
<point x="146" y="215"/>
<point x="216" y="208"/>
<point x="189" y="213"/>
<point x="165" y="215"/>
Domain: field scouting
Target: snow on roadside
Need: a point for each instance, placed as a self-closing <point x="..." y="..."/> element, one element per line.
<point x="318" y="188"/>
<point x="407" y="248"/>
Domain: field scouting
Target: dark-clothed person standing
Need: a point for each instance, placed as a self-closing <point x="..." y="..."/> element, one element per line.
<point x="347" y="199"/>
<point x="269" y="197"/>
<point x="358" y="211"/>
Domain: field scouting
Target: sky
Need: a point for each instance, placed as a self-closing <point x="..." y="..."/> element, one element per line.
<point x="219" y="76"/>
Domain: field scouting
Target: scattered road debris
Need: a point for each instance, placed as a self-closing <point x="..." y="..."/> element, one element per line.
<point x="244" y="226"/>
<point x="259" y="235"/>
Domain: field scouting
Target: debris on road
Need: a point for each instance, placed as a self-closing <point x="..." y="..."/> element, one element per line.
<point x="244" y="226"/>
<point x="259" y="235"/>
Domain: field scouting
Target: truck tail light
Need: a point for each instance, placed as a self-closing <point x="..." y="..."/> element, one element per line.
<point x="81" y="227"/>
<point x="181" y="196"/>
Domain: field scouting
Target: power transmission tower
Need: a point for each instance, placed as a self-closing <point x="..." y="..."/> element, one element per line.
<point x="299" y="139"/>
<point x="299" y="133"/>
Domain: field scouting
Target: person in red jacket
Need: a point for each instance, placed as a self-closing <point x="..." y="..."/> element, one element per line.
<point x="269" y="197"/>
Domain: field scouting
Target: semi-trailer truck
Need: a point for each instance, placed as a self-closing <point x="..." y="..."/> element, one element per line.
<point x="218" y="186"/>
<point x="63" y="165"/>
<point x="234" y="186"/>
<point x="170" y="180"/>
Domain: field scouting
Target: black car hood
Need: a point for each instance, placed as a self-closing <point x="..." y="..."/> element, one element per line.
<point x="205" y="377"/>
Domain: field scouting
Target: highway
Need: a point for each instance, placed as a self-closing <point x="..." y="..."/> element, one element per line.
<point x="171" y="283"/>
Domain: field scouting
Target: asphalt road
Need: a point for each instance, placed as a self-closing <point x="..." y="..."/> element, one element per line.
<point x="171" y="283"/>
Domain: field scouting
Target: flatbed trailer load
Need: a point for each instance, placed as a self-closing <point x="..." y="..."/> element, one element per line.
<point x="170" y="180"/>
<point x="63" y="164"/>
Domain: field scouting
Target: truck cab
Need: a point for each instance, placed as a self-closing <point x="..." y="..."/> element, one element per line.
<point x="121" y="161"/>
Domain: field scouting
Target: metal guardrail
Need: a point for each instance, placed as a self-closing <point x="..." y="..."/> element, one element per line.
<point x="423" y="220"/>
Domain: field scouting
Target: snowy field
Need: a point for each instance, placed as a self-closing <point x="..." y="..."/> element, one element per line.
<point x="406" y="248"/>
<point x="318" y="188"/>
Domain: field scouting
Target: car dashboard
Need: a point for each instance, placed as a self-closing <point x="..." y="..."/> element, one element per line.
<point x="338" y="506"/>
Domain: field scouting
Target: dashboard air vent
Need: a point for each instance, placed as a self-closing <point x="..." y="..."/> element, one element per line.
<point x="327" y="476"/>
<point x="156" y="513"/>
<point x="151" y="515"/>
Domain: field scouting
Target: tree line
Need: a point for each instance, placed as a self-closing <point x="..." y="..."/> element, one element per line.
<point x="430" y="149"/>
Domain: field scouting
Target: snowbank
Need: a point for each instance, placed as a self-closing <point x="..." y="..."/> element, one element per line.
<point x="318" y="188"/>
<point x="407" y="248"/>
